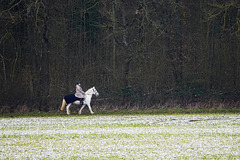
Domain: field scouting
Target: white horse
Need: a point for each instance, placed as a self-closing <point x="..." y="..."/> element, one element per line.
<point x="86" y="101"/>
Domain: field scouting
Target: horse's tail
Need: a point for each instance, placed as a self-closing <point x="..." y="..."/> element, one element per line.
<point x="63" y="104"/>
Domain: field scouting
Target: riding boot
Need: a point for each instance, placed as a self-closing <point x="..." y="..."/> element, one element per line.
<point x="82" y="99"/>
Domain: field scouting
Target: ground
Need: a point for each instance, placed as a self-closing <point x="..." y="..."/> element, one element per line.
<point x="185" y="136"/>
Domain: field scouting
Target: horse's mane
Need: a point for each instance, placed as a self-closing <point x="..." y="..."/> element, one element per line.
<point x="88" y="91"/>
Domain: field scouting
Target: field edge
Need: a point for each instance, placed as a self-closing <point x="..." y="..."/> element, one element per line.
<point x="123" y="112"/>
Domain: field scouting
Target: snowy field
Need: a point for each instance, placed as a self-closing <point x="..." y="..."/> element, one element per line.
<point x="202" y="136"/>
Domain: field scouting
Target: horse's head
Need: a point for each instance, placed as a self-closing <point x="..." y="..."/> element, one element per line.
<point x="92" y="91"/>
<point x="95" y="92"/>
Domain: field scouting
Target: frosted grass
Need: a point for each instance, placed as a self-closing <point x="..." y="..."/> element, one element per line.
<point x="121" y="137"/>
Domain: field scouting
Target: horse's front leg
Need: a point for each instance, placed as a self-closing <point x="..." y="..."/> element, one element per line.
<point x="67" y="108"/>
<point x="80" y="111"/>
<point x="90" y="109"/>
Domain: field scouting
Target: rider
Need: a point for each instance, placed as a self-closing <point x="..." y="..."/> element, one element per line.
<point x="79" y="92"/>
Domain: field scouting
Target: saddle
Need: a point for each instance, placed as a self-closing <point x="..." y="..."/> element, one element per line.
<point x="70" y="98"/>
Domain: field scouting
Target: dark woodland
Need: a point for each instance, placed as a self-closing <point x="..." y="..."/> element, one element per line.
<point x="142" y="53"/>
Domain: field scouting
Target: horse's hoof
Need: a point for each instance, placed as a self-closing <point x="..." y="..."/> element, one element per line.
<point x="79" y="113"/>
<point x="92" y="113"/>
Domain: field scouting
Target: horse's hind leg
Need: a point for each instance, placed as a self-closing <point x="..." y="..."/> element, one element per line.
<point x="80" y="111"/>
<point x="67" y="108"/>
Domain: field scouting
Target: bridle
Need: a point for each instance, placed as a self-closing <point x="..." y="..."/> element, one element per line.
<point x="95" y="92"/>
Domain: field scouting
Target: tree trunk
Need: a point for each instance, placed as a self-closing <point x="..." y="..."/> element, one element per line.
<point x="44" y="70"/>
<point x="126" y="64"/>
<point x="114" y="41"/>
<point x="212" y="50"/>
